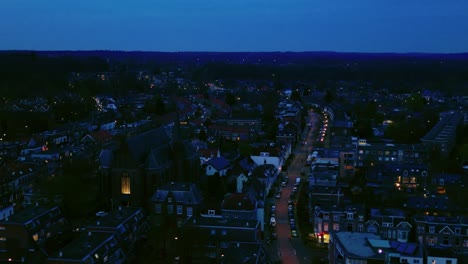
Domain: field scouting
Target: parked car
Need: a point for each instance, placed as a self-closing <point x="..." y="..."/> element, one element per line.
<point x="294" y="233"/>
<point x="272" y="221"/>
<point x="273" y="208"/>
<point x="273" y="236"/>
<point x="278" y="195"/>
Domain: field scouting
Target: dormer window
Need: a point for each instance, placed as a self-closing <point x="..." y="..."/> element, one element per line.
<point x="432" y="229"/>
<point x="169" y="200"/>
<point x="350" y="216"/>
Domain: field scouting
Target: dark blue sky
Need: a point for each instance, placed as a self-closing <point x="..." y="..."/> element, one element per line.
<point x="236" y="25"/>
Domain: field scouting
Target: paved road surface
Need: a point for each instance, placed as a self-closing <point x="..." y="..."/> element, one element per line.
<point x="285" y="243"/>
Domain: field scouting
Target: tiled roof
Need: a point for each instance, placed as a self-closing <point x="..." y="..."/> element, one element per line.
<point x="185" y="193"/>
<point x="239" y="201"/>
<point x="219" y="163"/>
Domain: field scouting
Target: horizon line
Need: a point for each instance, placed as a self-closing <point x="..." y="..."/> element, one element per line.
<point x="187" y="51"/>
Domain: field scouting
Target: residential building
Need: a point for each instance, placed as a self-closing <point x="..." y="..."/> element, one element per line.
<point x="207" y="237"/>
<point x="328" y="219"/>
<point x="441" y="138"/>
<point x="243" y="206"/>
<point x="254" y="253"/>
<point x="174" y="202"/>
<point x="218" y="165"/>
<point x="389" y="223"/>
<point x="32" y="233"/>
<point x="442" y="231"/>
<point x="351" y="247"/>
<point x="372" y="154"/>
<point x="127" y="223"/>
<point x="90" y="247"/>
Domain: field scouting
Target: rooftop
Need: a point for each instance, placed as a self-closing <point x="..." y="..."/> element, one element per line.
<point x="32" y="213"/>
<point x="82" y="246"/>
<point x="117" y="217"/>
<point x="358" y="244"/>
<point x="217" y="221"/>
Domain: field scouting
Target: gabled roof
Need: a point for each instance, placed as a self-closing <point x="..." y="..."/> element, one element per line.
<point x="101" y="136"/>
<point x="185" y="193"/>
<point x="239" y="201"/>
<point x="140" y="145"/>
<point x="218" y="163"/>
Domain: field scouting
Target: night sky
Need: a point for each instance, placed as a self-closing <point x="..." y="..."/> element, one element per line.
<point x="236" y="25"/>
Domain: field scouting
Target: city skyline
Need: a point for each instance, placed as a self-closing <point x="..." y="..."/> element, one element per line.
<point x="230" y="26"/>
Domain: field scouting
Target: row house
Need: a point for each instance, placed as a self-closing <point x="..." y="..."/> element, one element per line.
<point x="328" y="219"/>
<point x="174" y="203"/>
<point x="32" y="233"/>
<point x="351" y="247"/>
<point x="389" y="224"/>
<point x="207" y="237"/>
<point x="17" y="178"/>
<point x="441" y="138"/>
<point x="127" y="223"/>
<point x="372" y="154"/>
<point x="90" y="247"/>
<point x="442" y="231"/>
<point x="243" y="206"/>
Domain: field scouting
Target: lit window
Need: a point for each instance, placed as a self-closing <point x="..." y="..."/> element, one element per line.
<point x="36" y="237"/>
<point x="125" y="183"/>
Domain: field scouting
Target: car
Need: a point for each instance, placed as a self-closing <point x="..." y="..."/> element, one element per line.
<point x="101" y="214"/>
<point x="293" y="226"/>
<point x="283" y="184"/>
<point x="290" y="207"/>
<point x="292" y="221"/>
<point x="278" y="195"/>
<point x="290" y="202"/>
<point x="273" y="236"/>
<point x="294" y="233"/>
<point x="272" y="221"/>
<point x="273" y="208"/>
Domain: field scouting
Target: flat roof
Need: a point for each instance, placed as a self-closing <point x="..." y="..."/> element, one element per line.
<point x="82" y="246"/>
<point x="217" y="221"/>
<point x="30" y="213"/>
<point x="357" y="244"/>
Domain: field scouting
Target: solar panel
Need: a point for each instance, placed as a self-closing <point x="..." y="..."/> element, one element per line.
<point x="394" y="244"/>
<point x="401" y="247"/>
<point x="410" y="249"/>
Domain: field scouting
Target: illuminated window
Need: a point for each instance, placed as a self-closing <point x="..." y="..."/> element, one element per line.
<point x="336" y="227"/>
<point x="36" y="237"/>
<point x="125" y="183"/>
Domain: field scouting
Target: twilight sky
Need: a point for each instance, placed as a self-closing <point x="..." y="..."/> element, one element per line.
<point x="236" y="25"/>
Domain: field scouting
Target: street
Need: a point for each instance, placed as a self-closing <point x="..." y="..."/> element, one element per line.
<point x="291" y="249"/>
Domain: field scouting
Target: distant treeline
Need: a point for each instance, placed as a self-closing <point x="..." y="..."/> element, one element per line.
<point x="29" y="74"/>
<point x="38" y="72"/>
